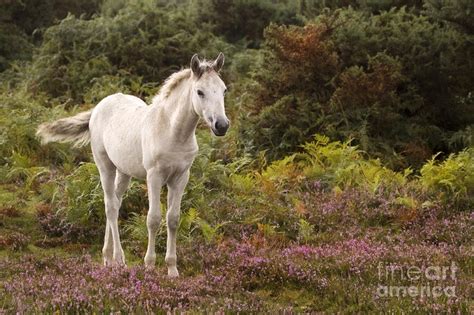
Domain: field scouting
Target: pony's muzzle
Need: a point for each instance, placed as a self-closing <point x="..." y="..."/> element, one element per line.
<point x="220" y="126"/>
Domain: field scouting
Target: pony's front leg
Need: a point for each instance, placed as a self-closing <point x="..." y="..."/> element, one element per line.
<point x="153" y="219"/>
<point x="175" y="193"/>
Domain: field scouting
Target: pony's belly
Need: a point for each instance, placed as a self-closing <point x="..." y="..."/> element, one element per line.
<point x="127" y="160"/>
<point x="136" y="172"/>
<point x="125" y="151"/>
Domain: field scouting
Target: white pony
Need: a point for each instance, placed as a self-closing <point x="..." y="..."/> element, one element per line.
<point x="157" y="142"/>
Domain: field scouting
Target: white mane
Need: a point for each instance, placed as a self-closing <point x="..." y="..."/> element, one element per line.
<point x="170" y="84"/>
<point x="174" y="80"/>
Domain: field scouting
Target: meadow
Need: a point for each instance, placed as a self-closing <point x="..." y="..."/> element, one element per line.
<point x="344" y="185"/>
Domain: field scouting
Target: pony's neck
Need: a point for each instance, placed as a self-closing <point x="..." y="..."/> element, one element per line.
<point x="179" y="112"/>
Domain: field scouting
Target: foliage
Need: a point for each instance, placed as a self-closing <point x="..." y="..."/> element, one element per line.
<point x="84" y="195"/>
<point x="78" y="54"/>
<point x="21" y="23"/>
<point x="455" y="12"/>
<point x="395" y="79"/>
<point x="19" y="115"/>
<point x="243" y="19"/>
<point x="343" y="165"/>
<point x="20" y="48"/>
<point x="395" y="82"/>
<point x="207" y="210"/>
<point x="454" y="176"/>
<point x="33" y="15"/>
<point x="21" y="169"/>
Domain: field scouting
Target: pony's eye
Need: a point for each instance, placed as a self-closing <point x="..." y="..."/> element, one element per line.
<point x="225" y="91"/>
<point x="200" y="93"/>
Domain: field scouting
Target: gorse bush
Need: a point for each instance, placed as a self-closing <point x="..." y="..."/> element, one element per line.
<point x="21" y="23"/>
<point x="78" y="54"/>
<point x="20" y="49"/>
<point x="396" y="82"/>
<point x="245" y="20"/>
<point x="455" y="12"/>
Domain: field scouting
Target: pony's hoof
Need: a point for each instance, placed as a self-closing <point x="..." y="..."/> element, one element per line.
<point x="150" y="261"/>
<point x="119" y="260"/>
<point x="173" y="272"/>
<point x="108" y="262"/>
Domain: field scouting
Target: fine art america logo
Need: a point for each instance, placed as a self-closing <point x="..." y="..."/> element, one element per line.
<point x="429" y="281"/>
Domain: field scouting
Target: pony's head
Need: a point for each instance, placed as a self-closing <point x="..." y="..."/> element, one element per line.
<point x="207" y="93"/>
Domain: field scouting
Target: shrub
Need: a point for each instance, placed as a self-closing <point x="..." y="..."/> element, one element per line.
<point x="455" y="12"/>
<point x="54" y="224"/>
<point x="14" y="241"/>
<point x="9" y="211"/>
<point x="244" y="19"/>
<point x="384" y="80"/>
<point x="19" y="47"/>
<point x="78" y="54"/>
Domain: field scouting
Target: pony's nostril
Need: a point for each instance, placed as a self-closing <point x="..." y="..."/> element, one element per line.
<point x="221" y="126"/>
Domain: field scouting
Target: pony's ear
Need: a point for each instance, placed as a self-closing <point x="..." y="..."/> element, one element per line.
<point x="218" y="63"/>
<point x="196" y="65"/>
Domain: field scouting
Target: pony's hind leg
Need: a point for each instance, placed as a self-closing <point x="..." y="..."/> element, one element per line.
<point x="112" y="204"/>
<point x="108" y="249"/>
<point x="121" y="184"/>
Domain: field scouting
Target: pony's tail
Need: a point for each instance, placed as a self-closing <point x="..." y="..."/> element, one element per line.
<point x="72" y="129"/>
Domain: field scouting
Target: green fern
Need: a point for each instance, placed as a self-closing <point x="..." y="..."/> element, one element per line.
<point x="453" y="177"/>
